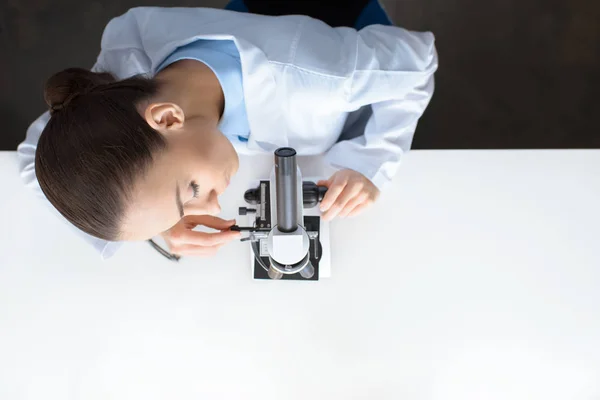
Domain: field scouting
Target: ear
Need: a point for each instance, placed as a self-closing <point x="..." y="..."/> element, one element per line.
<point x="164" y="117"/>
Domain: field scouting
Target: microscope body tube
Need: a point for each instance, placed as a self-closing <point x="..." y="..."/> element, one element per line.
<point x="286" y="187"/>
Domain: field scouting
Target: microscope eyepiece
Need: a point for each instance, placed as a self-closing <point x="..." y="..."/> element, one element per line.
<point x="285" y="152"/>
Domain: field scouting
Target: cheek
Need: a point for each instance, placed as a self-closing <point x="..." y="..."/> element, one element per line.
<point x="221" y="154"/>
<point x="229" y="153"/>
<point x="211" y="160"/>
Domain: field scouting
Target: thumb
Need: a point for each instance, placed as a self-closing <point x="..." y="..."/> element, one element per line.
<point x="219" y="223"/>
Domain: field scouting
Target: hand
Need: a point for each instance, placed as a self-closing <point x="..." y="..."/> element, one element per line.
<point x="184" y="241"/>
<point x="348" y="194"/>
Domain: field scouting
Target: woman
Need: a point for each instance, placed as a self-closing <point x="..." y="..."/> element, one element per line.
<point x="146" y="141"/>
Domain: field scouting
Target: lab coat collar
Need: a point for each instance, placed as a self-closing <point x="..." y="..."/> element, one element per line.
<point x="267" y="128"/>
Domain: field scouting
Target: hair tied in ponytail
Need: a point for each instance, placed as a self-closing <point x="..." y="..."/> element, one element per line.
<point x="62" y="88"/>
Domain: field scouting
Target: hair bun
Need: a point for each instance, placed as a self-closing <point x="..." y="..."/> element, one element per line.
<point x="64" y="86"/>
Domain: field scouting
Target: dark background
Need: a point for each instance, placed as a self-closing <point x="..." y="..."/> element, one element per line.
<point x="512" y="74"/>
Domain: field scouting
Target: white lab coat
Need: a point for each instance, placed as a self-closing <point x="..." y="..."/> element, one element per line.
<point x="305" y="83"/>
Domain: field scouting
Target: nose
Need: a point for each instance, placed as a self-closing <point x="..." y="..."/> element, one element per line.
<point x="210" y="207"/>
<point x="213" y="207"/>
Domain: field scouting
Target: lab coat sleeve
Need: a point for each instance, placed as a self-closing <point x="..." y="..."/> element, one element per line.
<point x="394" y="75"/>
<point x="26" y="156"/>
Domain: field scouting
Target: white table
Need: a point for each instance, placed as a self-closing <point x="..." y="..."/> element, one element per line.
<point x="476" y="276"/>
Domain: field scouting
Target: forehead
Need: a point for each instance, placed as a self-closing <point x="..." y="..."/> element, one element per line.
<point x="151" y="207"/>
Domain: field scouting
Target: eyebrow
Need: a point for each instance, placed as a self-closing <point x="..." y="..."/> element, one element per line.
<point x="178" y="200"/>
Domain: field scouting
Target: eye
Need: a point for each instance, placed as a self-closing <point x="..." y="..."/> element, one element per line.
<point x="195" y="188"/>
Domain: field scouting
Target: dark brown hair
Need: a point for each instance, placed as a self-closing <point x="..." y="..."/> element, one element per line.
<point x="94" y="147"/>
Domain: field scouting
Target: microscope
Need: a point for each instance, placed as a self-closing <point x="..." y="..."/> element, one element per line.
<point x="286" y="243"/>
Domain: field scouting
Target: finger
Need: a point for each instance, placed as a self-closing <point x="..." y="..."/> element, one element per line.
<point x="348" y="194"/>
<point x="360" y="208"/>
<point x="352" y="204"/>
<point x="210" y="221"/>
<point x="324" y="183"/>
<point x="332" y="194"/>
<point x="204" y="238"/>
<point x="192" y="250"/>
<point x="351" y="191"/>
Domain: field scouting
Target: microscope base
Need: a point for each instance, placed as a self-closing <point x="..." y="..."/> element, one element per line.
<point x="319" y="249"/>
<point x="311" y="223"/>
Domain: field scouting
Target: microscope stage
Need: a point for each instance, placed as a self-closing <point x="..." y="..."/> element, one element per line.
<point x="319" y="250"/>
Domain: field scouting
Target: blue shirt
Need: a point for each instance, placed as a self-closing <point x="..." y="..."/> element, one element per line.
<point x="223" y="58"/>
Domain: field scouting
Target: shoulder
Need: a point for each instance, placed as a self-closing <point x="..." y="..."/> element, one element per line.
<point x="146" y="25"/>
<point x="154" y="32"/>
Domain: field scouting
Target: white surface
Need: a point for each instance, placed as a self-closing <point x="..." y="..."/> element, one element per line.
<point x="477" y="276"/>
